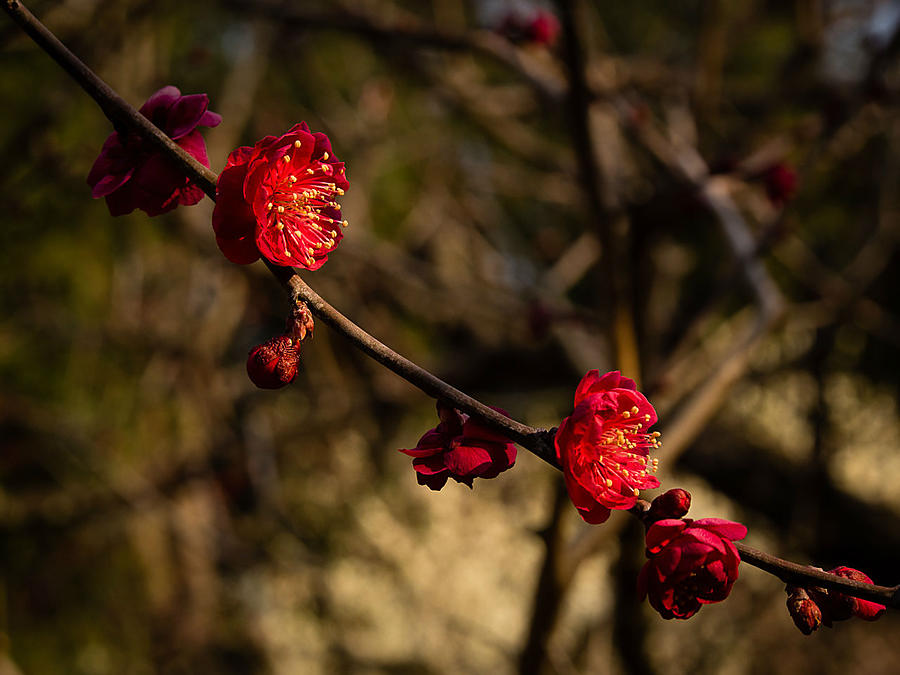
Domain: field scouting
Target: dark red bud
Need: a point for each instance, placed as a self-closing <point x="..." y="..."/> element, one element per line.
<point x="672" y="504"/>
<point x="804" y="611"/>
<point x="845" y="606"/>
<point x="273" y="364"/>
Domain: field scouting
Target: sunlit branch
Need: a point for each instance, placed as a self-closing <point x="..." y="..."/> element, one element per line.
<point x="537" y="441"/>
<point x="122" y="115"/>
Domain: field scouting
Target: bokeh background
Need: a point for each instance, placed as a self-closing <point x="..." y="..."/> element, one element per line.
<point x="714" y="211"/>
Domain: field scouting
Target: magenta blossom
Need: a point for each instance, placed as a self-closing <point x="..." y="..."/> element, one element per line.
<point x="460" y="448"/>
<point x="691" y="563"/>
<point x="133" y="174"/>
<point x="604" y="446"/>
<point x="837" y="606"/>
<point x="533" y="25"/>
<point x="278" y="200"/>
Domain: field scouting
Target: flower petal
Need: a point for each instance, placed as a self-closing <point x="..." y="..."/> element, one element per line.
<point x="434" y="481"/>
<point x="705" y="538"/>
<point x="474" y="428"/>
<point x="586" y="386"/>
<point x="502" y="458"/>
<point x="231" y="217"/>
<point x="668" y="560"/>
<point x="112" y="168"/>
<point x="868" y="610"/>
<point x="662" y="532"/>
<point x="195" y="146"/>
<point x="239" y="155"/>
<point x="467" y="460"/>
<point x="724" y="528"/>
<point x="593" y="383"/>
<point x="431" y="443"/>
<point x="189" y="195"/>
<point x="161" y="101"/>
<point x="241" y="251"/>
<point x="588" y="508"/>
<point x="595" y="514"/>
<point x="184" y="115"/>
<point x="110" y="183"/>
<point x="429" y="465"/>
<point x="122" y="201"/>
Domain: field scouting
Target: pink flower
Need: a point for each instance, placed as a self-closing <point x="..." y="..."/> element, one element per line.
<point x="604" y="446"/>
<point x="277" y="199"/>
<point x="535" y="25"/>
<point x="837" y="606"/>
<point x="543" y="28"/>
<point x="274" y="363"/>
<point x="461" y="448"/>
<point x="691" y="563"/>
<point x="132" y="174"/>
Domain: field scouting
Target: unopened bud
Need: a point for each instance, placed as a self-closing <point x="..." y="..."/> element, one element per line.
<point x="803" y="610"/>
<point x="301" y="323"/>
<point x="845" y="606"/>
<point x="273" y="364"/>
<point x="672" y="504"/>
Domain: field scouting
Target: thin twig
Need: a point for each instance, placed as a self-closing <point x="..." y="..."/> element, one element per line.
<point x="537" y="440"/>
<point x="411" y="31"/>
<point x="804" y="575"/>
<point x="122" y="115"/>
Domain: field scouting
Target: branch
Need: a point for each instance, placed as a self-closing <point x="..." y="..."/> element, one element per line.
<point x="794" y="573"/>
<point x="538" y="441"/>
<point x="411" y="31"/>
<point x="122" y="115"/>
<point x="609" y="220"/>
<point x="804" y="575"/>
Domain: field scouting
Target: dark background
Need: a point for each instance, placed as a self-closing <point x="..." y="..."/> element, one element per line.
<point x="158" y="514"/>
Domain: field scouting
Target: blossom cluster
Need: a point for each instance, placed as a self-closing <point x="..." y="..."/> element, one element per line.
<point x="278" y="200"/>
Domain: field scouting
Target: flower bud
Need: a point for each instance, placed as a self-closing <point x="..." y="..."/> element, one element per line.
<point x="842" y="606"/>
<point x="674" y="503"/>
<point x="301" y="324"/>
<point x="804" y="611"/>
<point x="273" y="364"/>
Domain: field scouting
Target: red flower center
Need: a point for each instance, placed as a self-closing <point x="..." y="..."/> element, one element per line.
<point x="688" y="591"/>
<point x="624" y="450"/>
<point x="303" y="208"/>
